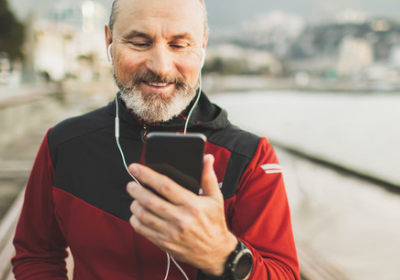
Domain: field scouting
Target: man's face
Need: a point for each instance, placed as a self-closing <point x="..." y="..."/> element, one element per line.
<point x="157" y="50"/>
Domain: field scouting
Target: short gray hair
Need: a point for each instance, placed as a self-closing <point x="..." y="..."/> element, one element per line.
<point x="114" y="11"/>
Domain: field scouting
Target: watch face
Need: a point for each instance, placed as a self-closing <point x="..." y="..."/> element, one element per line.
<point x="243" y="266"/>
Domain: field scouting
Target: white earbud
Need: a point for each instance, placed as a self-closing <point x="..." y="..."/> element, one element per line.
<point x="109" y="54"/>
<point x="203" y="58"/>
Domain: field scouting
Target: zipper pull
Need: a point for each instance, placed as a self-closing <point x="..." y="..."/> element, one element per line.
<point x="144" y="132"/>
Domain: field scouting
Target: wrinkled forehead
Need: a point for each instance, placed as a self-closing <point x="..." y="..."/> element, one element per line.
<point x="172" y="16"/>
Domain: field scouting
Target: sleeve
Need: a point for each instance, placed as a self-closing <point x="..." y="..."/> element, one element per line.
<point x="261" y="217"/>
<point x="40" y="248"/>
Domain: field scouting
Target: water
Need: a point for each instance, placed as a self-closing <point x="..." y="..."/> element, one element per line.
<point x="350" y="223"/>
<point x="361" y="132"/>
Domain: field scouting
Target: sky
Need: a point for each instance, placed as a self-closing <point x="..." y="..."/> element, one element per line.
<point x="231" y="13"/>
<point x="311" y="9"/>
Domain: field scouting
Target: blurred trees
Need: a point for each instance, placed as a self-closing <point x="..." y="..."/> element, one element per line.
<point x="11" y="33"/>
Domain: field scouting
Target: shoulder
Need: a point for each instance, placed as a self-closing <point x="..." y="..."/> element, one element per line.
<point x="236" y="140"/>
<point x="243" y="147"/>
<point x="79" y="126"/>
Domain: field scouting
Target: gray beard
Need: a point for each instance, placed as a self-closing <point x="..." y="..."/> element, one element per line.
<point x="155" y="107"/>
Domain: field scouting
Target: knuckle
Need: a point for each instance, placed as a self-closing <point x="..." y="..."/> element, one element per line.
<point x="132" y="207"/>
<point x="195" y="210"/>
<point x="149" y="202"/>
<point x="172" y="237"/>
<point x="133" y="221"/>
<point x="184" y="224"/>
<point x="140" y="214"/>
<point x="165" y="186"/>
<point x="165" y="209"/>
<point x="164" y="243"/>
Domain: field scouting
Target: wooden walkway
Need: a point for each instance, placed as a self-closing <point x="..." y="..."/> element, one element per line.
<point x="313" y="267"/>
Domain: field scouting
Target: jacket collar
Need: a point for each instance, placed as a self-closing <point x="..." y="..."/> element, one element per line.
<point x="206" y="115"/>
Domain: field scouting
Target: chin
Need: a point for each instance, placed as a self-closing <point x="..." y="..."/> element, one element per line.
<point x="153" y="108"/>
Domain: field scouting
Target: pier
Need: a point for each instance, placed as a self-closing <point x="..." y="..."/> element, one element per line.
<point x="338" y="153"/>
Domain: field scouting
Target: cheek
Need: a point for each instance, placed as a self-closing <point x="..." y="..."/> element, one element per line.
<point x="125" y="65"/>
<point x="189" y="69"/>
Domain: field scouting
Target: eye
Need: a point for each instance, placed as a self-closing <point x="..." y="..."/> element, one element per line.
<point x="141" y="44"/>
<point x="179" y="45"/>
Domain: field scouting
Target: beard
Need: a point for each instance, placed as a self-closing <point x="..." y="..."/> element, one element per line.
<point x="155" y="107"/>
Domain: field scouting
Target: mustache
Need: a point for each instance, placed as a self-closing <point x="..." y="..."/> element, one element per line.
<point x="149" y="76"/>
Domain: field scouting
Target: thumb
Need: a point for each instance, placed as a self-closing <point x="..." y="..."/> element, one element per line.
<point x="209" y="182"/>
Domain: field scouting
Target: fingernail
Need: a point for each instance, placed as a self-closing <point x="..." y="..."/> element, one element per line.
<point x="131" y="186"/>
<point x="134" y="221"/>
<point x="134" y="169"/>
<point x="210" y="157"/>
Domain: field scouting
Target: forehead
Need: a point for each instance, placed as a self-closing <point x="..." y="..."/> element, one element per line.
<point x="167" y="16"/>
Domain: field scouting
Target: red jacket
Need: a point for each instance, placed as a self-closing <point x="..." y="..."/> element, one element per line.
<point x="76" y="197"/>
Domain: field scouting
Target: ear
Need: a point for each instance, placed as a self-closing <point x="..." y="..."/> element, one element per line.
<point x="108" y="36"/>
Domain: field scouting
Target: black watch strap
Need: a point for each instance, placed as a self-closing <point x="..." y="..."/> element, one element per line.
<point x="237" y="267"/>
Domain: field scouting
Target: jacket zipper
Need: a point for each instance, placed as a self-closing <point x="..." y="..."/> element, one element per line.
<point x="144" y="132"/>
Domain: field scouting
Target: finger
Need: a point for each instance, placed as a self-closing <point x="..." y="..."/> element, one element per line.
<point x="159" y="238"/>
<point x="151" y="234"/>
<point x="163" y="185"/>
<point x="148" y="218"/>
<point x="209" y="182"/>
<point x="153" y="202"/>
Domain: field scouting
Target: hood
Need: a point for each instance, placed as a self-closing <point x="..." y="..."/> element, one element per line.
<point x="206" y="115"/>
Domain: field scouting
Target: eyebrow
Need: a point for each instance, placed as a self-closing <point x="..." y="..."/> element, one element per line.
<point x="134" y="34"/>
<point x="185" y="35"/>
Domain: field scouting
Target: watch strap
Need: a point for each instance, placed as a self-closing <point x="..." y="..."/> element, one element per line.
<point x="229" y="265"/>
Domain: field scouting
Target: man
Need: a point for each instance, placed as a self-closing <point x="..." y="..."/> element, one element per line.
<point x="77" y="195"/>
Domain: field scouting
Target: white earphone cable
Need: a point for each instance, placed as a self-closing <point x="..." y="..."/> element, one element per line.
<point x="117" y="132"/>
<point x="117" y="141"/>
<point x="168" y="266"/>
<point x="117" y="135"/>
<point x="193" y="107"/>
<point x="180" y="268"/>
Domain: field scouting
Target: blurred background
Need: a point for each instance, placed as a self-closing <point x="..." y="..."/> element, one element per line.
<point x="320" y="79"/>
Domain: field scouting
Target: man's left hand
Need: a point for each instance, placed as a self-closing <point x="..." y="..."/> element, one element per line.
<point x="191" y="228"/>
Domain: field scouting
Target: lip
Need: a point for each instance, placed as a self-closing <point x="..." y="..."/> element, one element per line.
<point x="156" y="88"/>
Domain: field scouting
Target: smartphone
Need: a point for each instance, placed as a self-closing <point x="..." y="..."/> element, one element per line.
<point x="176" y="155"/>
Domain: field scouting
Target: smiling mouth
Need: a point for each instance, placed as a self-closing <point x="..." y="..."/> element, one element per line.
<point x="158" y="85"/>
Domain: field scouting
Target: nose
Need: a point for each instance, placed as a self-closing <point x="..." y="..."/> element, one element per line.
<point x="160" y="61"/>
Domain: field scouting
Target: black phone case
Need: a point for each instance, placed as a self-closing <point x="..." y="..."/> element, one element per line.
<point x="178" y="156"/>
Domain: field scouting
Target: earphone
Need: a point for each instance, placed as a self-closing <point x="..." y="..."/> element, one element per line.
<point x="109" y="54"/>
<point x="203" y="58"/>
<point x="117" y="135"/>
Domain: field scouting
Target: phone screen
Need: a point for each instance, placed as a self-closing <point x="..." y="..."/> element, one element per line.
<point x="178" y="156"/>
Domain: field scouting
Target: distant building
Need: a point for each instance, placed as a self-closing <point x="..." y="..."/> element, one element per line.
<point x="71" y="31"/>
<point x="351" y="16"/>
<point x="354" y="55"/>
<point x="274" y="31"/>
<point x="251" y="60"/>
<point x="395" y="56"/>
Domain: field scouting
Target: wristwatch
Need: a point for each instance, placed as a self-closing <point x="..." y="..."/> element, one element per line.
<point x="239" y="264"/>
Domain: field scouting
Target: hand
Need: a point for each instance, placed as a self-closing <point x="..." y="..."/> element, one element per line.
<point x="191" y="228"/>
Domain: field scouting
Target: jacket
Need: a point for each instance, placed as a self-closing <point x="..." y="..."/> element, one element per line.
<point x="76" y="197"/>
